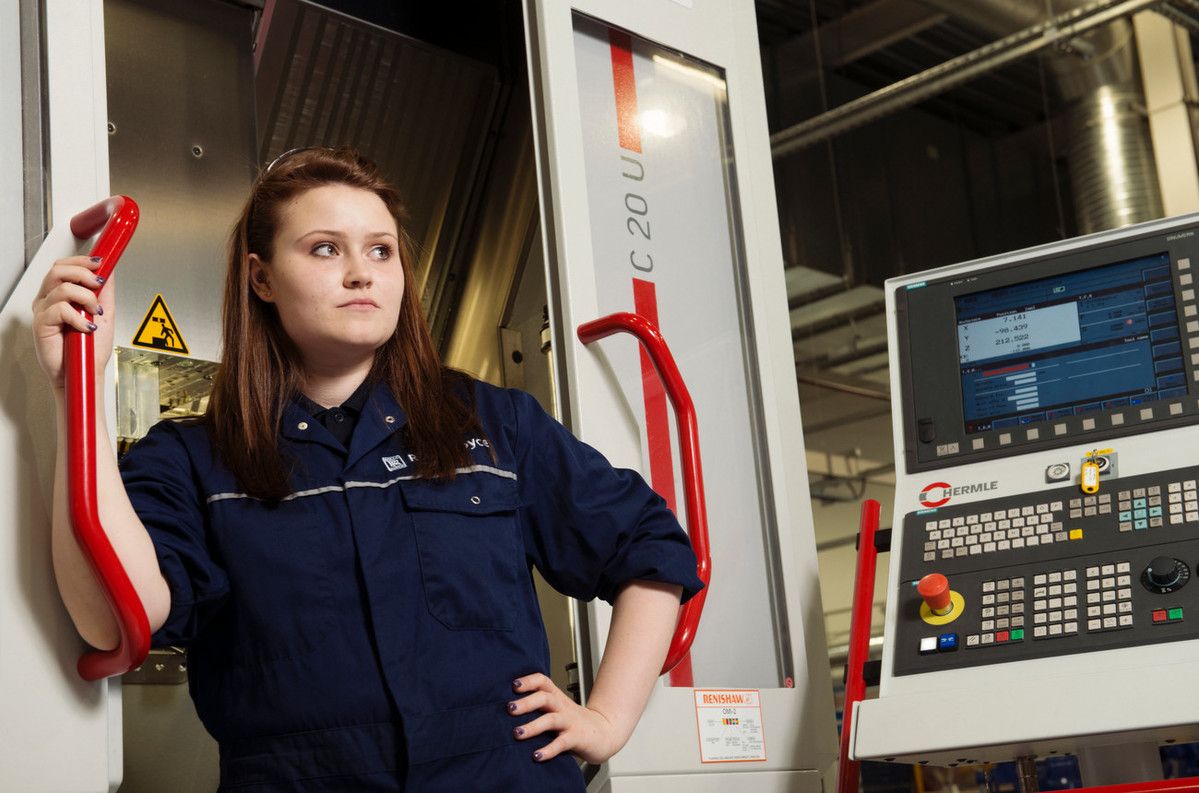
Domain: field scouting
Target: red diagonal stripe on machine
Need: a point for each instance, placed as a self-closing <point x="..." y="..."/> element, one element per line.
<point x="625" y="83"/>
<point x="645" y="301"/>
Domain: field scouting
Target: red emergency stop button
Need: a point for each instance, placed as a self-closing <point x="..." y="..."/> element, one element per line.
<point x="934" y="588"/>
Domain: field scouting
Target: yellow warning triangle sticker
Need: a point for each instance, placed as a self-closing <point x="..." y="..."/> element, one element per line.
<point x="158" y="330"/>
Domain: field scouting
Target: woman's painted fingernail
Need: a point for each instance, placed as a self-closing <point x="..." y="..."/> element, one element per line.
<point x="518" y="731"/>
<point x="537" y="756"/>
<point x="511" y="707"/>
<point x="95" y="259"/>
<point x="91" y="326"/>
<point x="516" y="683"/>
<point x="100" y="279"/>
<point x="100" y="311"/>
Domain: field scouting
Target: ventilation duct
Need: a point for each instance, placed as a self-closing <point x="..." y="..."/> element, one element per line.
<point x="1112" y="173"/>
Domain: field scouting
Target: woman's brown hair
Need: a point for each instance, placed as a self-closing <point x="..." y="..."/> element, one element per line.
<point x="259" y="370"/>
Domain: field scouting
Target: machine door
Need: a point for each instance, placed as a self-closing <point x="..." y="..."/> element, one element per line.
<point x="657" y="196"/>
<point x="57" y="165"/>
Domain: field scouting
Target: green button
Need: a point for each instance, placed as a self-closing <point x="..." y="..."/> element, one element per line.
<point x="1175" y="614"/>
<point x="1018" y="634"/>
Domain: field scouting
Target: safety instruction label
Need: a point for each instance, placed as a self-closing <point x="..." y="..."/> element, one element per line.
<point x="730" y="725"/>
<point x="158" y="330"/>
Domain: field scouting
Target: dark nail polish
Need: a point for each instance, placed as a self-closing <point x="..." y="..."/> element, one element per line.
<point x="518" y="731"/>
<point x="511" y="707"/>
<point x="100" y="279"/>
<point x="537" y="756"/>
<point x="91" y="326"/>
<point x="95" y="259"/>
<point x="100" y="311"/>
<point x="516" y="683"/>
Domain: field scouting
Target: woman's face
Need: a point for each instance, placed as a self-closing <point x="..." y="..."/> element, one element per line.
<point x="335" y="275"/>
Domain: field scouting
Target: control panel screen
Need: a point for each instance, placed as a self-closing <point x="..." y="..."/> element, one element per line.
<point x="1066" y="345"/>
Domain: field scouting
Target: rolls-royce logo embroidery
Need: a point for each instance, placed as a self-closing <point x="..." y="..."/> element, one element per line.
<point x="395" y="462"/>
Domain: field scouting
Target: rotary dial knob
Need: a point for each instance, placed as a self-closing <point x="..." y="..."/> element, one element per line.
<point x="1165" y="574"/>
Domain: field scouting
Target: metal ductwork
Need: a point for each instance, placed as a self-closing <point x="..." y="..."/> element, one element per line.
<point x="1111" y="158"/>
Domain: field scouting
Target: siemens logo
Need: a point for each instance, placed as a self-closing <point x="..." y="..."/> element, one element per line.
<point x="938" y="494"/>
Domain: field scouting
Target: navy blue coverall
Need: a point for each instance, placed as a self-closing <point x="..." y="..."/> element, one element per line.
<point x="363" y="634"/>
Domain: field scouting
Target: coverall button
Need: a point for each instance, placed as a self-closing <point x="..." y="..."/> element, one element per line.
<point x="390" y="419"/>
<point x="302" y="425"/>
<point x="475" y="499"/>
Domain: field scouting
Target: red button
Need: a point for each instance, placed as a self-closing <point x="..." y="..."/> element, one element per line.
<point x="1160" y="615"/>
<point x="934" y="588"/>
<point x="1002" y="636"/>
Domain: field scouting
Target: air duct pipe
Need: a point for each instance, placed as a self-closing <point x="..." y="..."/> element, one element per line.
<point x="1112" y="171"/>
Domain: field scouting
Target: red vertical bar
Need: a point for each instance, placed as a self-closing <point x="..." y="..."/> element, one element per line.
<point x="859" y="640"/>
<point x="657" y="435"/>
<point x="625" y="83"/>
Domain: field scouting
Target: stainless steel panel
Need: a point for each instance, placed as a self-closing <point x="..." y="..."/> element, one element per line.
<point x="180" y="100"/>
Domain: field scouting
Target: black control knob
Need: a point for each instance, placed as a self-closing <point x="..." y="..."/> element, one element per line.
<point x="1165" y="574"/>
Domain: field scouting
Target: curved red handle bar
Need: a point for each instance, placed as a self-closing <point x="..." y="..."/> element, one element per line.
<point x="693" y="478"/>
<point x="117" y="216"/>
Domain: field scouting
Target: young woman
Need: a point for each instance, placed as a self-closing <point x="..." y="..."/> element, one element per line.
<point x="344" y="539"/>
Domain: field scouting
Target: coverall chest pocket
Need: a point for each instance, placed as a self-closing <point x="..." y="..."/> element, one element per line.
<point x="469" y="547"/>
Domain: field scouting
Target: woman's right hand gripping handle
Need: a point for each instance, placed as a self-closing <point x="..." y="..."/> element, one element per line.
<point x="69" y="284"/>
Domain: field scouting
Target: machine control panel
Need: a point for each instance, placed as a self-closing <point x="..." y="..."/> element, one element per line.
<point x="1050" y="573"/>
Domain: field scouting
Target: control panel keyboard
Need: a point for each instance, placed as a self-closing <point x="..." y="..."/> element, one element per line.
<point x="1052" y="573"/>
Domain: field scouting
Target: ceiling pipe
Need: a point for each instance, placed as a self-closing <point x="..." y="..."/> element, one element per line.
<point x="1110" y="155"/>
<point x="956" y="71"/>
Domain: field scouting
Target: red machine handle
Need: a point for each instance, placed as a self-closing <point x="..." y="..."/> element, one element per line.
<point x="693" y="478"/>
<point x="117" y="216"/>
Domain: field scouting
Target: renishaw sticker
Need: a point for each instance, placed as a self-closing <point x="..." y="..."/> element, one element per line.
<point x="730" y="726"/>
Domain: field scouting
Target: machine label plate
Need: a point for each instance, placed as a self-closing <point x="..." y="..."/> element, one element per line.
<point x="730" y="726"/>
